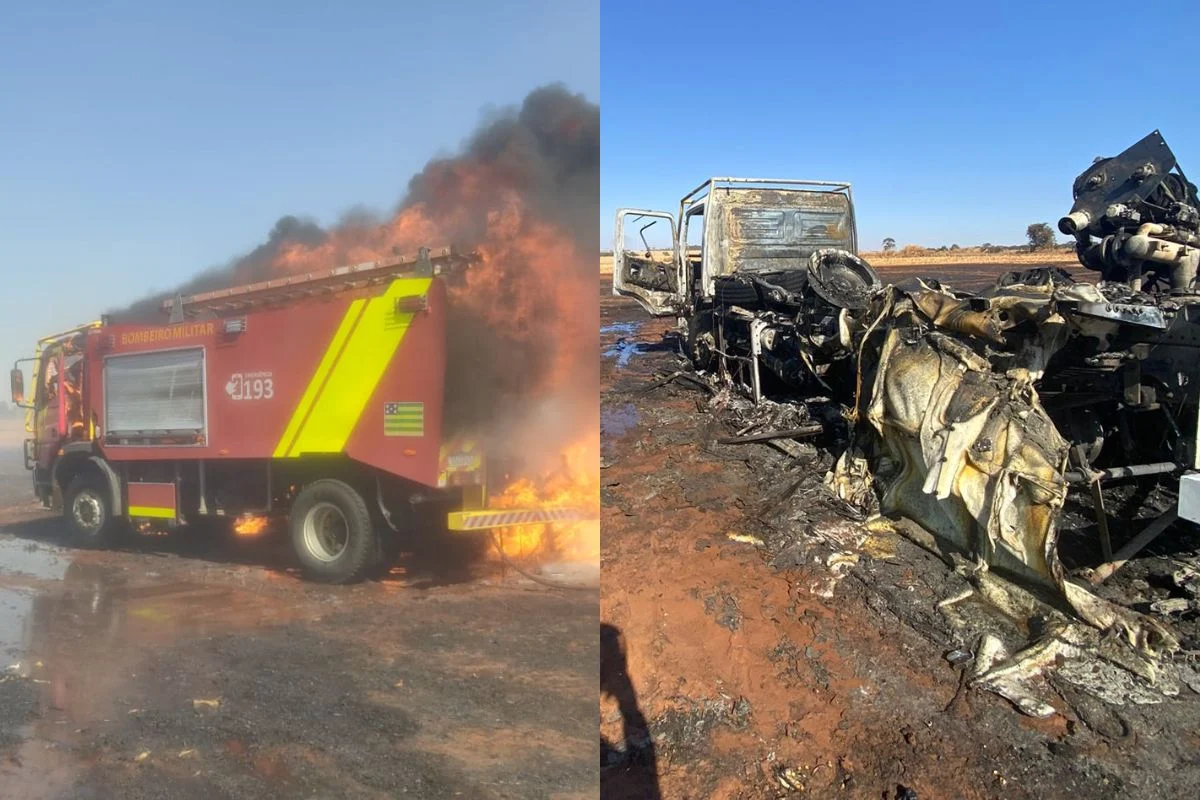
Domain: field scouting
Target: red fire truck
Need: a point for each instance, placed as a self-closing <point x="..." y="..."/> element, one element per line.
<point x="317" y="397"/>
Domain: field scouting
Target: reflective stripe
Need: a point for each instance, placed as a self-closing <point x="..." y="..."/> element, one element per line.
<point x="369" y="348"/>
<point x="480" y="520"/>
<point x="318" y="379"/>
<point x="152" y="511"/>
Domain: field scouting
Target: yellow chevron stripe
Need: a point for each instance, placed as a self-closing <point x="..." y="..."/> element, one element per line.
<point x="314" y="385"/>
<point x="356" y="373"/>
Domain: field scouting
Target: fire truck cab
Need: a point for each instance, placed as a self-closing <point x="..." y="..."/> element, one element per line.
<point x="315" y="397"/>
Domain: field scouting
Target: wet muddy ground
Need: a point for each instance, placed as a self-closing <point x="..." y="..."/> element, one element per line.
<point x="738" y="661"/>
<point x="182" y="667"/>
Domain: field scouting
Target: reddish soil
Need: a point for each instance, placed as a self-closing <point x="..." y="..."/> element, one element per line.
<point x="723" y="675"/>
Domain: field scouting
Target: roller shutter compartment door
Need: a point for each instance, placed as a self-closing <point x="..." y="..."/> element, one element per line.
<point x="160" y="393"/>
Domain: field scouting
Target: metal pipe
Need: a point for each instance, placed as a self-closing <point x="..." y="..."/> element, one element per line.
<point x="791" y="433"/>
<point x="1074" y="222"/>
<point x="1133" y="547"/>
<point x="387" y="515"/>
<point x="756" y="329"/>
<point x="203" y="489"/>
<point x="782" y="181"/>
<point x="1135" y="471"/>
<point x="178" y="493"/>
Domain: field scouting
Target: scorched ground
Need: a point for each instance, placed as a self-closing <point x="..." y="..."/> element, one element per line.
<point x="736" y="665"/>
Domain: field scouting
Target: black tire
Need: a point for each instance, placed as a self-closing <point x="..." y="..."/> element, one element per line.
<point x="731" y="291"/>
<point x="332" y="532"/>
<point x="87" y="508"/>
<point x="793" y="280"/>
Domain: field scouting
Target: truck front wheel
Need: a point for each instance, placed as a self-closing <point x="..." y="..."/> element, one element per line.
<point x="88" y="509"/>
<point x="332" y="532"/>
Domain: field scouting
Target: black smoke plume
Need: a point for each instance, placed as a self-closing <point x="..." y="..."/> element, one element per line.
<point x="547" y="152"/>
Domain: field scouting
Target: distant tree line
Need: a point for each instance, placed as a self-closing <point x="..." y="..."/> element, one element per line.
<point x="1039" y="235"/>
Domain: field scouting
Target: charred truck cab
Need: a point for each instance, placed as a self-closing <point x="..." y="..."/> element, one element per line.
<point x="316" y="397"/>
<point x="743" y="252"/>
<point x="1097" y="382"/>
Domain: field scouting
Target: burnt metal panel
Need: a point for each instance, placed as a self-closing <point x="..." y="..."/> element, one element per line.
<point x="1129" y="177"/>
<point x="764" y="230"/>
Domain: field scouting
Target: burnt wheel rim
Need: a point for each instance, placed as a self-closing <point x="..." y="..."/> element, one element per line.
<point x="326" y="532"/>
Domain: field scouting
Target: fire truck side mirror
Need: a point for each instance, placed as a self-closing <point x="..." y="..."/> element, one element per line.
<point x="17" y="380"/>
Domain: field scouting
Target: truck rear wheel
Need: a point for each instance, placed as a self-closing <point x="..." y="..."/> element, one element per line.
<point x="88" y="510"/>
<point x="332" y="532"/>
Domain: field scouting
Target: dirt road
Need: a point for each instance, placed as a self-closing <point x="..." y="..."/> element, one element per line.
<point x="736" y="665"/>
<point x="187" y="668"/>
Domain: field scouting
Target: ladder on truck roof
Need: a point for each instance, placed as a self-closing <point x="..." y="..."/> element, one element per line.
<point x="424" y="263"/>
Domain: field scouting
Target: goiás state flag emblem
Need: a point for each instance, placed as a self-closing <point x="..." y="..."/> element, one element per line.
<point x="404" y="419"/>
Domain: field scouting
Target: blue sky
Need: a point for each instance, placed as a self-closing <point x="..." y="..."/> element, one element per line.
<point x="956" y="122"/>
<point x="142" y="142"/>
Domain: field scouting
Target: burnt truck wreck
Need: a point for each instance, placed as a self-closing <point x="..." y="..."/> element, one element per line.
<point x="970" y="415"/>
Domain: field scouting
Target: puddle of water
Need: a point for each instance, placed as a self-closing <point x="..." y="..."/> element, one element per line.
<point x="75" y="633"/>
<point x="623" y="350"/>
<point x="616" y="421"/>
<point x="623" y="328"/>
<point x="96" y="616"/>
<point x="33" y="559"/>
<point x="93" y="608"/>
<point x="15" y="608"/>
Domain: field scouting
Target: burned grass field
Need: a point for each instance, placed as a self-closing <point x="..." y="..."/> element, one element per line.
<point x="762" y="642"/>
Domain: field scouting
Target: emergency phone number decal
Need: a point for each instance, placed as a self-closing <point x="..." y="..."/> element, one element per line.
<point x="250" y="386"/>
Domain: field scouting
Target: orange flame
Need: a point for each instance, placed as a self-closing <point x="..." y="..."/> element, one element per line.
<point x="575" y="485"/>
<point x="249" y="525"/>
<point x="534" y="285"/>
